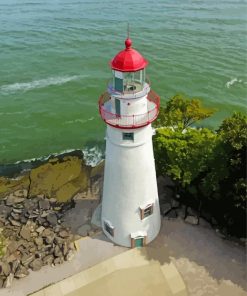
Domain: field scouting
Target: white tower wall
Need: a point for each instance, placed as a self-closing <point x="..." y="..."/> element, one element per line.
<point x="129" y="186"/>
<point x="137" y="106"/>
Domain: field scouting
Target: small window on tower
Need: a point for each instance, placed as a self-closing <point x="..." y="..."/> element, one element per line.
<point x="109" y="228"/>
<point x="147" y="211"/>
<point x="128" y="136"/>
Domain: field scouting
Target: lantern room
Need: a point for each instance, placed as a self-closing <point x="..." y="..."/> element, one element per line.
<point x="128" y="68"/>
<point x="129" y="103"/>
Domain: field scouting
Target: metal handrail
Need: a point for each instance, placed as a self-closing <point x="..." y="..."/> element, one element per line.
<point x="129" y="121"/>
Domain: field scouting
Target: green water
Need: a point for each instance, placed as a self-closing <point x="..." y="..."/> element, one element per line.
<point x="54" y="64"/>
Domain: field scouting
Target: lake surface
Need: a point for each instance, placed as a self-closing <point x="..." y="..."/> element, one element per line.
<point x="54" y="64"/>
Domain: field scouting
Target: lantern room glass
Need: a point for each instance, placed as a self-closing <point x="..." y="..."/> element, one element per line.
<point x="130" y="81"/>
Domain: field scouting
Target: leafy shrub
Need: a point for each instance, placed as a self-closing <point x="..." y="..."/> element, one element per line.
<point x="208" y="167"/>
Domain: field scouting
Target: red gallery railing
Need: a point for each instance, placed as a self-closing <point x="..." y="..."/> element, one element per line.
<point x="129" y="121"/>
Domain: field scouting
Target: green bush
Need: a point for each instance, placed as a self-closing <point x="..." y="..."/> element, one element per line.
<point x="208" y="167"/>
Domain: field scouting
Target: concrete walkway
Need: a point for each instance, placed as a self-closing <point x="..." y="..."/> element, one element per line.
<point x="91" y="251"/>
<point x="208" y="264"/>
<point x="130" y="273"/>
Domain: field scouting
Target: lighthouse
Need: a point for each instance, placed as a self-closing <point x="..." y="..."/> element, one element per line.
<point x="130" y="214"/>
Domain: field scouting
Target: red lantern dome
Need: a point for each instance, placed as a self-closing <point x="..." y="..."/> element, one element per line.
<point x="128" y="60"/>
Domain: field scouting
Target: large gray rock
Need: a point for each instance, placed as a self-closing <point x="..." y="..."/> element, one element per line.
<point x="58" y="260"/>
<point x="52" y="219"/>
<point x="165" y="208"/>
<point x="83" y="230"/>
<point x="23" y="220"/>
<point x="11" y="258"/>
<point x="47" y="249"/>
<point x="65" y="248"/>
<point x="21" y="193"/>
<point x="38" y="241"/>
<point x="27" y="259"/>
<point x="14" y="222"/>
<point x="8" y="281"/>
<point x="47" y="260"/>
<point x="5" y="268"/>
<point x="57" y="252"/>
<point x="21" y="272"/>
<point x="36" y="264"/>
<point x="191" y="220"/>
<point x="40" y="221"/>
<point x="57" y="228"/>
<point x="25" y="233"/>
<point x="14" y="265"/>
<point x="47" y="232"/>
<point x="44" y="204"/>
<point x="18" y="206"/>
<point x="50" y="238"/>
<point x="17" y="211"/>
<point x="70" y="255"/>
<point x="23" y="245"/>
<point x="64" y="233"/>
<point x="167" y="194"/>
<point x="30" y="204"/>
<point x="79" y="215"/>
<point x="172" y="214"/>
<point x="12" y="199"/>
<point x="58" y="240"/>
<point x="4" y="212"/>
<point x="31" y="224"/>
<point x="163" y="182"/>
<point x="15" y="216"/>
<point x="40" y="229"/>
<point x="12" y="246"/>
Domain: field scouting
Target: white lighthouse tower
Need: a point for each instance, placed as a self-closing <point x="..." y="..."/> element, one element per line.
<point x="130" y="206"/>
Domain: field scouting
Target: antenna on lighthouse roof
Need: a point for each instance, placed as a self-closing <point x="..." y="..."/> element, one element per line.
<point x="128" y="41"/>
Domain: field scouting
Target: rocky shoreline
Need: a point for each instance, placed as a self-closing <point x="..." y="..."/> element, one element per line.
<point x="38" y="213"/>
<point x="35" y="236"/>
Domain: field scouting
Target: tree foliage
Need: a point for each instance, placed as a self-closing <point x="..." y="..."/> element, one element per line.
<point x="181" y="112"/>
<point x="209" y="167"/>
<point x="233" y="131"/>
<point x="183" y="155"/>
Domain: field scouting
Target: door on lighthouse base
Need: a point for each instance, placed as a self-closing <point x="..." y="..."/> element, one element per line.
<point x="139" y="242"/>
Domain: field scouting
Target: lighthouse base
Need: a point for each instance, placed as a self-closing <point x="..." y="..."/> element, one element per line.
<point x="130" y="203"/>
<point x="136" y="239"/>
